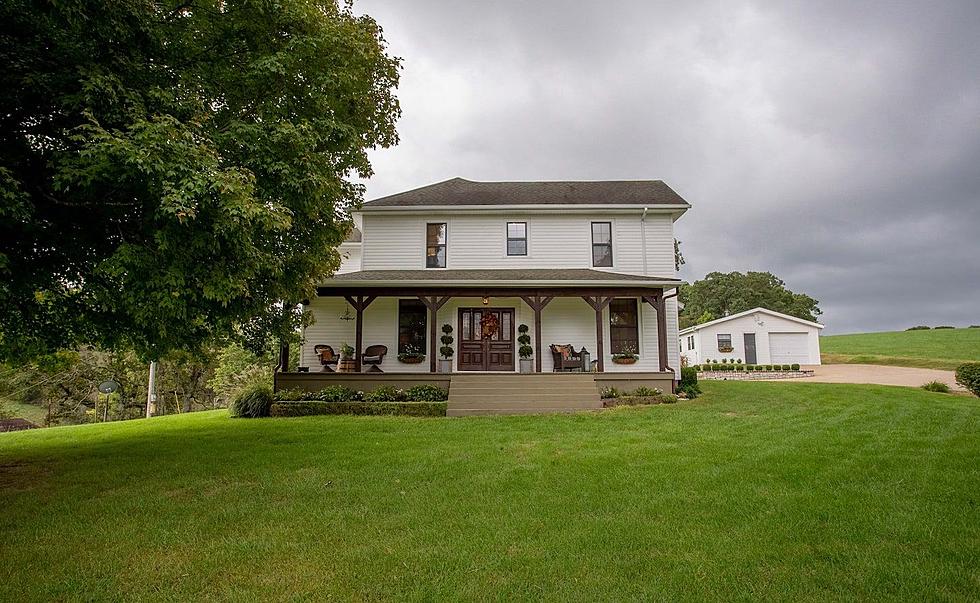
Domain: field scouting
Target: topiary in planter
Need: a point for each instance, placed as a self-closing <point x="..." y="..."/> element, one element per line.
<point x="447" y="342"/>
<point x="525" y="350"/>
<point x="968" y="375"/>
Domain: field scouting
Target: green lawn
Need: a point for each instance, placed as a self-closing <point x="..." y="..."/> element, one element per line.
<point x="936" y="348"/>
<point x="33" y="413"/>
<point x="754" y="491"/>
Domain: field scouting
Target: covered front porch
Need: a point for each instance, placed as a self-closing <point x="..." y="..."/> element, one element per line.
<point x="398" y="312"/>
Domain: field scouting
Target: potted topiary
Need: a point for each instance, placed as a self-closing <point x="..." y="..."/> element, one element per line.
<point x="525" y="351"/>
<point x="446" y="362"/>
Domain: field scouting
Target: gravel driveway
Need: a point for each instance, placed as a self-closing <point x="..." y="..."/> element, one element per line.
<point x="880" y="375"/>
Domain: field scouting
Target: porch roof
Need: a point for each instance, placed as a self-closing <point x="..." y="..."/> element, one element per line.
<point x="528" y="277"/>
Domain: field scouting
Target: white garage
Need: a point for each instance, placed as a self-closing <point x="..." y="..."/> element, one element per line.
<point x="757" y="336"/>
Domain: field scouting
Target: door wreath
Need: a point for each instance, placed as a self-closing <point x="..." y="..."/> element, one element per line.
<point x="488" y="325"/>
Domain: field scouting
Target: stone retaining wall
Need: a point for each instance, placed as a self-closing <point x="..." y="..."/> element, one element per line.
<point x="751" y="375"/>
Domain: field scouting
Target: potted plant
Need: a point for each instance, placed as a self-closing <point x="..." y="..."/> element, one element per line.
<point x="346" y="363"/>
<point x="446" y="363"/>
<point x="525" y="351"/>
<point x="627" y="356"/>
<point x="411" y="354"/>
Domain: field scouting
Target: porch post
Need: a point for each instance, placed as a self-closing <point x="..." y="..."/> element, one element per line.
<point x="359" y="303"/>
<point x="598" y="303"/>
<point x="433" y="304"/>
<point x="659" y="304"/>
<point x="537" y="303"/>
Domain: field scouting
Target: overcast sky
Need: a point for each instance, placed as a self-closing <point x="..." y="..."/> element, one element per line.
<point x="836" y="145"/>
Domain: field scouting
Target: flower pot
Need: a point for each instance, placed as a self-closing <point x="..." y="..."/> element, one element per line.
<point x="411" y="359"/>
<point x="624" y="360"/>
<point x="345" y="365"/>
<point x="527" y="365"/>
<point x="445" y="365"/>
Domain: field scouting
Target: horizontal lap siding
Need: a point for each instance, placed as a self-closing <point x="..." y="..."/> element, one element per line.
<point x="554" y="241"/>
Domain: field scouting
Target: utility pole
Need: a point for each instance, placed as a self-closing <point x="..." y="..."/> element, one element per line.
<point x="151" y="390"/>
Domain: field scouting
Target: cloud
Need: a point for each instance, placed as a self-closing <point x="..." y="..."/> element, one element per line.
<point x="834" y="144"/>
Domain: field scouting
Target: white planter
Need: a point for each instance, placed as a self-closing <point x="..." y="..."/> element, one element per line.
<point x="527" y="365"/>
<point x="445" y="366"/>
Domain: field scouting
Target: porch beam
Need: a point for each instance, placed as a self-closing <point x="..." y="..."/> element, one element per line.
<point x="488" y="291"/>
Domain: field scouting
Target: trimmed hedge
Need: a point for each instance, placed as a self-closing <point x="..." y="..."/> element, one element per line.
<point x="639" y="400"/>
<point x="317" y="407"/>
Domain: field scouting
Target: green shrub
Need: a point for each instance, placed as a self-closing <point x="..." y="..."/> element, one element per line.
<point x="289" y="394"/>
<point x="385" y="393"/>
<point x="447" y="342"/>
<point x="689" y="383"/>
<point x="724" y="360"/>
<point x="646" y="391"/>
<point x="968" y="375"/>
<point x="610" y="392"/>
<point x="918" y="328"/>
<point x="944" y="327"/>
<point x="768" y="367"/>
<point x="252" y="402"/>
<point x="739" y="367"/>
<point x="426" y="393"/>
<point x="936" y="386"/>
<point x="795" y="366"/>
<point x="738" y="361"/>
<point x="668" y="399"/>
<point x="319" y="407"/>
<point x="786" y="367"/>
<point x="333" y="393"/>
<point x="697" y="368"/>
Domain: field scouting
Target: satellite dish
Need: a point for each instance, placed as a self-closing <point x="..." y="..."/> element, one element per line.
<point x="107" y="387"/>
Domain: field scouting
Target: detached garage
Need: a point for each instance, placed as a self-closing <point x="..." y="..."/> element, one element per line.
<point x="757" y="336"/>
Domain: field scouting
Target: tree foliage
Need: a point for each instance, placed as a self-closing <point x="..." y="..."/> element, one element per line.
<point x="170" y="173"/>
<point x="720" y="294"/>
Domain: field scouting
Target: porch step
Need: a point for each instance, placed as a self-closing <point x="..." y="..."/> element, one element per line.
<point x="496" y="394"/>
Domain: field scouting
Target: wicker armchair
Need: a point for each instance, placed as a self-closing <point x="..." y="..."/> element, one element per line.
<point x="373" y="356"/>
<point x="566" y="358"/>
<point x="328" y="358"/>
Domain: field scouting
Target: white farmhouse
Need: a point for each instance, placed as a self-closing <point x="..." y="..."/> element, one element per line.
<point x="586" y="266"/>
<point x="757" y="336"/>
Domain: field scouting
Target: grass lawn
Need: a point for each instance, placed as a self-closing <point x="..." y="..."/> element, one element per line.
<point x="936" y="348"/>
<point x="34" y="414"/>
<point x="756" y="490"/>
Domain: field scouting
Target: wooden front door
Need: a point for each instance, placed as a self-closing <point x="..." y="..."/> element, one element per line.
<point x="493" y="353"/>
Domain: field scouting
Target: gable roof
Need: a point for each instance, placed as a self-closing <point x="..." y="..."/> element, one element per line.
<point x="459" y="192"/>
<point x="746" y="313"/>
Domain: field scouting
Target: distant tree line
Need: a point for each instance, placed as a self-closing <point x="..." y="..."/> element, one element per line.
<point x="721" y="294"/>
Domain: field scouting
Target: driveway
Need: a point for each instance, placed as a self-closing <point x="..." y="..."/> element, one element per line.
<point x="880" y="375"/>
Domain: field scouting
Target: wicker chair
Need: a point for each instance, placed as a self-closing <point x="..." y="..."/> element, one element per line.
<point x="373" y="356"/>
<point x="328" y="358"/>
<point x="566" y="358"/>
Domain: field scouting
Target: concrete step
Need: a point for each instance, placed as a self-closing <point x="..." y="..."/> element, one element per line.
<point x="521" y="394"/>
<point x="564" y="403"/>
<point x="475" y="412"/>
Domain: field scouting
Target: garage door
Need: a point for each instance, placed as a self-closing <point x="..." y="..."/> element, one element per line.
<point x="788" y="348"/>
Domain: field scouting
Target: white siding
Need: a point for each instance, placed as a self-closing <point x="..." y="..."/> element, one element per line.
<point x="397" y="242"/>
<point x="706" y="339"/>
<point x="564" y="320"/>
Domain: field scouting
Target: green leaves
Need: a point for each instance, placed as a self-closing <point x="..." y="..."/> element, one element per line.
<point x="179" y="174"/>
<point x="720" y="294"/>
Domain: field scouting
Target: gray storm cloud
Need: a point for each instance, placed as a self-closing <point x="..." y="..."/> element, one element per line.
<point x="834" y="144"/>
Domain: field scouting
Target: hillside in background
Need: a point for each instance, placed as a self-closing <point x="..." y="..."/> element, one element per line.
<point x="934" y="348"/>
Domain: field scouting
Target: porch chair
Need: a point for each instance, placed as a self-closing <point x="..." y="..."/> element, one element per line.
<point x="327" y="357"/>
<point x="374" y="355"/>
<point x="566" y="358"/>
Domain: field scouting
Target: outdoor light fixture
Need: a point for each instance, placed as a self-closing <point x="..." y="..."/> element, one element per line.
<point x="486" y="300"/>
<point x="347" y="315"/>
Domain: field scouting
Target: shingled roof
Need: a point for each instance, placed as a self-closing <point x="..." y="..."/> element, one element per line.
<point x="460" y="192"/>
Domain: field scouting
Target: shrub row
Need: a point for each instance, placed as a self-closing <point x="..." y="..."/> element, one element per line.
<point x="745" y="367"/>
<point x="318" y="407"/>
<point x="384" y="393"/>
<point x="640" y="395"/>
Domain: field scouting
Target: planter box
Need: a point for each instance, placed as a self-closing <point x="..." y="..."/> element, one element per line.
<point x="624" y="360"/>
<point x="445" y="365"/>
<point x="412" y="359"/>
<point x="527" y="365"/>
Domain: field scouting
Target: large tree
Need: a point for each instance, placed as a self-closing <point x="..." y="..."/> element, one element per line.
<point x="720" y="294"/>
<point x="170" y="172"/>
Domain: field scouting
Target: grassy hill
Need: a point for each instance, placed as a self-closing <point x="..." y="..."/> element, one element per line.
<point x="936" y="348"/>
<point x="755" y="491"/>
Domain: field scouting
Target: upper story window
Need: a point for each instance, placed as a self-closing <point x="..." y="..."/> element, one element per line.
<point x="624" y="336"/>
<point x="517" y="238"/>
<point x="435" y="245"/>
<point x="725" y="342"/>
<point x="602" y="244"/>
